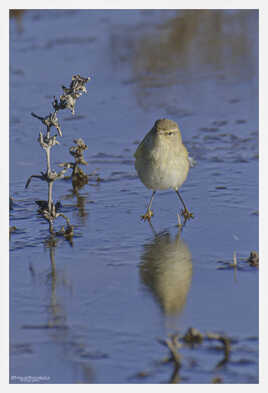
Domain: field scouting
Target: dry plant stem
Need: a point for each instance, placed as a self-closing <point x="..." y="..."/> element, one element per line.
<point x="175" y="355"/>
<point x="51" y="229"/>
<point x="42" y="177"/>
<point x="235" y="259"/>
<point x="226" y="347"/>
<point x="173" y="345"/>
<point x="175" y="378"/>
<point x="49" y="121"/>
<point x="48" y="159"/>
<point x="67" y="100"/>
<point x="47" y="142"/>
<point x="50" y="201"/>
<point x="48" y="177"/>
<point x="66" y="218"/>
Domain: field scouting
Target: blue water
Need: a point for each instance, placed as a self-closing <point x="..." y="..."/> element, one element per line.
<point x="92" y="312"/>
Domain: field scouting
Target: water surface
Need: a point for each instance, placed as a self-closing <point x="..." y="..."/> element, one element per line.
<point x="92" y="312"/>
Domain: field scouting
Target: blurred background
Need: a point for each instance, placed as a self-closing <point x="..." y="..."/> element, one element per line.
<point x="91" y="312"/>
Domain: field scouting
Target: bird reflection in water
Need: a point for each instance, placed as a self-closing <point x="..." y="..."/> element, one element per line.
<point x="166" y="269"/>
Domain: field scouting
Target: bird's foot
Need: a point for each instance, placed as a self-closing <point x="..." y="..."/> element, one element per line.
<point x="147" y="216"/>
<point x="186" y="215"/>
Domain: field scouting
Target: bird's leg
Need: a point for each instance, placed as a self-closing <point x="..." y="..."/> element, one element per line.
<point x="185" y="212"/>
<point x="149" y="213"/>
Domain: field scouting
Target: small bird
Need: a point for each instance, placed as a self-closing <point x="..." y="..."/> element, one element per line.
<point x="162" y="162"/>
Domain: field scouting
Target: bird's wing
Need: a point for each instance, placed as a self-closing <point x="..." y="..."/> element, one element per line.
<point x="140" y="148"/>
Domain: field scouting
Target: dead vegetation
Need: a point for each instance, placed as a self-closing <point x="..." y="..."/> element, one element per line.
<point x="194" y="340"/>
<point x="241" y="263"/>
<point x="48" y="209"/>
